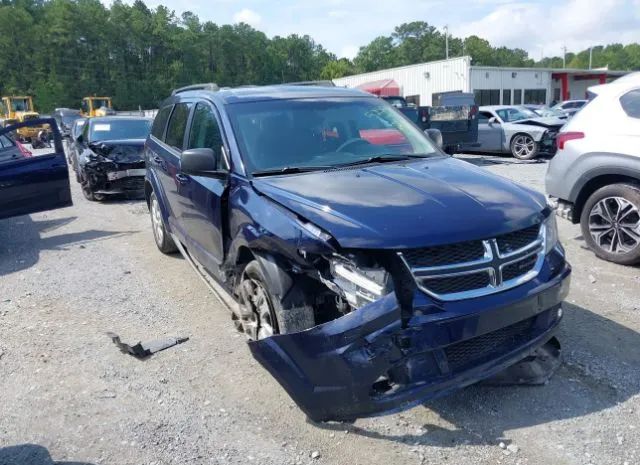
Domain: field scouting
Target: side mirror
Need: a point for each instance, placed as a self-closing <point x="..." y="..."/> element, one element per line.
<point x="435" y="135"/>
<point x="199" y="162"/>
<point x="493" y="120"/>
<point x="80" y="139"/>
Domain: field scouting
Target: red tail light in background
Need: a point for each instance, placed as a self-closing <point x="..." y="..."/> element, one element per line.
<point x="565" y="137"/>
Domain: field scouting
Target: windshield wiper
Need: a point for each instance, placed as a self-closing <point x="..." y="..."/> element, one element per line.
<point x="290" y="170"/>
<point x="381" y="159"/>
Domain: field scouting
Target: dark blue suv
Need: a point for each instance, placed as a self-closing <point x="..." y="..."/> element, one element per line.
<point x="369" y="270"/>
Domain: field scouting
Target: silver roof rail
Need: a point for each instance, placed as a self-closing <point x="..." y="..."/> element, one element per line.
<point x="320" y="83"/>
<point x="212" y="86"/>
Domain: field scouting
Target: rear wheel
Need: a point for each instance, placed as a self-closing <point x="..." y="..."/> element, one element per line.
<point x="610" y="223"/>
<point x="262" y="314"/>
<point x="523" y="147"/>
<point x="164" y="241"/>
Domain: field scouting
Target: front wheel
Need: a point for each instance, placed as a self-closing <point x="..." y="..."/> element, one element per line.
<point x="610" y="223"/>
<point x="88" y="192"/>
<point x="262" y="313"/>
<point x="523" y="147"/>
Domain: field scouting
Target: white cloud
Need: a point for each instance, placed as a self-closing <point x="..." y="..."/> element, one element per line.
<point x="540" y="28"/>
<point x="338" y="13"/>
<point x="349" y="51"/>
<point x="247" y="16"/>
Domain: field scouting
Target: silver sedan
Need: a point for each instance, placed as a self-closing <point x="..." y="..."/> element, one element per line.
<point x="516" y="130"/>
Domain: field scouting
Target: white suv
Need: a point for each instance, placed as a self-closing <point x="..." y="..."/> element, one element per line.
<point x="595" y="174"/>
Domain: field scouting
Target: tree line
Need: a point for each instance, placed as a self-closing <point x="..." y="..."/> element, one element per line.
<point x="62" y="50"/>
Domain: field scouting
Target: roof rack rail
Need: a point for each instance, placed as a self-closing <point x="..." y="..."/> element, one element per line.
<point x="205" y="86"/>
<point x="321" y="83"/>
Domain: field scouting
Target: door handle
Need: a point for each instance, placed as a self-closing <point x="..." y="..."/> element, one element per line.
<point x="182" y="179"/>
<point x="157" y="160"/>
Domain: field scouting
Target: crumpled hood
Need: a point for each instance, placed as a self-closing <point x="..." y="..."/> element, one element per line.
<point x="546" y="122"/>
<point x="120" y="151"/>
<point x="401" y="205"/>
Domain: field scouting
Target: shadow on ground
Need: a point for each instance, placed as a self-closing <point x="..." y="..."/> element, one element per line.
<point x="21" y="240"/>
<point x="30" y="454"/>
<point x="593" y="378"/>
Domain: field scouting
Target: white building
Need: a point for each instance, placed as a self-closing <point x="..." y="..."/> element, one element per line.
<point x="491" y="85"/>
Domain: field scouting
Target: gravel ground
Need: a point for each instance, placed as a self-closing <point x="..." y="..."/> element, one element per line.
<point x="68" y="395"/>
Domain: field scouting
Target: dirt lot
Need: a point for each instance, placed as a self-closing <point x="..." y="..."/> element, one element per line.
<point x="68" y="395"/>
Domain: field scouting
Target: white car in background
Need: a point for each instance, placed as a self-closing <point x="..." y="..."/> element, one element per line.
<point x="595" y="175"/>
<point x="570" y="107"/>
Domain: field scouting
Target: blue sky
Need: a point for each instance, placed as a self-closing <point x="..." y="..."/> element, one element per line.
<point x="538" y="26"/>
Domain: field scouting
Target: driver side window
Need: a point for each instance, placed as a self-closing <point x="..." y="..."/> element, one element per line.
<point x="205" y="132"/>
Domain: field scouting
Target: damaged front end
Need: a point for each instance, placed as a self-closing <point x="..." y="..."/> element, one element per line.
<point x="393" y="343"/>
<point x="115" y="167"/>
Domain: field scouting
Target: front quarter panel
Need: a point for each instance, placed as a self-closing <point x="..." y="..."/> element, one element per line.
<point x="259" y="223"/>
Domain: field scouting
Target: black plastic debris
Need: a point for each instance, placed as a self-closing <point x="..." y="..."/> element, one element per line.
<point x="145" y="349"/>
<point x="536" y="369"/>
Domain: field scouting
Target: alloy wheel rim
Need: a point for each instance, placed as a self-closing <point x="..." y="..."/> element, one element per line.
<point x="523" y="145"/>
<point x="156" y="219"/>
<point x="257" y="322"/>
<point x="614" y="225"/>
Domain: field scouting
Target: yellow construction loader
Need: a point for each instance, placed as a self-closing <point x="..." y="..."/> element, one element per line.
<point x="18" y="109"/>
<point x="96" y="106"/>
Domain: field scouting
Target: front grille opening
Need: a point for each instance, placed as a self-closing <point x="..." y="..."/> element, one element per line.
<point x="444" y="254"/>
<point x="519" y="268"/>
<point x="517" y="239"/>
<point x="490" y="345"/>
<point x="460" y="283"/>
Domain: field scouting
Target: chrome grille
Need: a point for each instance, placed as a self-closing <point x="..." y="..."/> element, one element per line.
<point x="470" y="269"/>
<point x="513" y="270"/>
<point x="459" y="283"/>
<point x="516" y="240"/>
<point x="444" y="255"/>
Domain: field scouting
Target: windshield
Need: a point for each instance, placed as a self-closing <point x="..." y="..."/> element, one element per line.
<point x="99" y="103"/>
<point x="70" y="118"/>
<point x="279" y="134"/>
<point x="550" y="112"/>
<point x="119" y="129"/>
<point x="515" y="114"/>
<point x="20" y="104"/>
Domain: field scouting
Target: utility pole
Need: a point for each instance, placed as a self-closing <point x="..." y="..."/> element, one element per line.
<point x="590" y="56"/>
<point x="446" y="41"/>
<point x="564" y="56"/>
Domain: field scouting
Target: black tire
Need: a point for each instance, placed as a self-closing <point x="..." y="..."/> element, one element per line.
<point x="523" y="147"/>
<point x="618" y="206"/>
<point x="259" y="322"/>
<point x="161" y="236"/>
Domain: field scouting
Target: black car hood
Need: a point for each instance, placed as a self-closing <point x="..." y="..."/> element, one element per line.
<point x="120" y="151"/>
<point x="402" y="205"/>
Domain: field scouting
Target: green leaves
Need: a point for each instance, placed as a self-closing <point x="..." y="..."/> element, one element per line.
<point x="62" y="50"/>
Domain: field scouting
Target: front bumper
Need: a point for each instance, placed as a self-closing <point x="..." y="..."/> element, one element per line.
<point x="366" y="364"/>
<point x="548" y="143"/>
<point x="110" y="178"/>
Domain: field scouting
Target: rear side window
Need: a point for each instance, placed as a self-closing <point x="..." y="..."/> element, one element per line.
<point x="205" y="132"/>
<point x="631" y="103"/>
<point x="178" y="125"/>
<point x="160" y="122"/>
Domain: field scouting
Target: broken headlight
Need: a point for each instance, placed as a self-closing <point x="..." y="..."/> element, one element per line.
<point x="550" y="232"/>
<point x="360" y="284"/>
